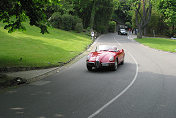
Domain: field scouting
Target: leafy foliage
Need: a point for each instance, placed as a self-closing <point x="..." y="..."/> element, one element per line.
<point x="128" y="24"/>
<point x="103" y="15"/>
<point x="65" y="21"/>
<point x="122" y="11"/>
<point x="95" y="12"/>
<point x="157" y="24"/>
<point x="83" y="10"/>
<point x="79" y="27"/>
<point x="168" y="9"/>
<point x="112" y="26"/>
<point x="14" y="12"/>
<point x="142" y="12"/>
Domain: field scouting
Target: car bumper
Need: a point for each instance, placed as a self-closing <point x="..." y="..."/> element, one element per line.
<point x="100" y="65"/>
<point x="124" y="33"/>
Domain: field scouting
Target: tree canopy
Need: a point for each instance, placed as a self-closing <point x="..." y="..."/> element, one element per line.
<point x="94" y="14"/>
<point x="168" y="9"/>
<point x="14" y="12"/>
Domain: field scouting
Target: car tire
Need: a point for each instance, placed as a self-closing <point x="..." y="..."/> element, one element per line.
<point x="114" y="68"/>
<point x="89" y="68"/>
<point x="122" y="62"/>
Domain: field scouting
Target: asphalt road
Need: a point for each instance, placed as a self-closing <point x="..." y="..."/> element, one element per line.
<point x="144" y="87"/>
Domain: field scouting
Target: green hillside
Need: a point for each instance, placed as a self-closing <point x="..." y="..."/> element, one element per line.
<point x="38" y="50"/>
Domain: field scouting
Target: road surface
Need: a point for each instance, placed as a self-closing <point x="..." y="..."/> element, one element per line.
<point x="144" y="87"/>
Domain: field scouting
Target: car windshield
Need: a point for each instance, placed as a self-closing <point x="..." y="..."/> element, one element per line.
<point x="106" y="48"/>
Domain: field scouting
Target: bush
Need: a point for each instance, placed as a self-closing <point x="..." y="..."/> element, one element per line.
<point x="76" y="20"/>
<point x="88" y="31"/>
<point x="56" y="20"/>
<point x="168" y="33"/>
<point x="79" y="27"/>
<point x="65" y="21"/>
<point x="112" y="26"/>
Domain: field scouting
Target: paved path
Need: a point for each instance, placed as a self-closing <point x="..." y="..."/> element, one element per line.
<point x="144" y="87"/>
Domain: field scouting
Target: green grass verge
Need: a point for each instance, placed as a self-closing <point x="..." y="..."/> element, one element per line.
<point x="159" y="43"/>
<point x="38" y="50"/>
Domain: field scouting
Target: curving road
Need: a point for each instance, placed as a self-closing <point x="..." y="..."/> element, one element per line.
<point x="144" y="87"/>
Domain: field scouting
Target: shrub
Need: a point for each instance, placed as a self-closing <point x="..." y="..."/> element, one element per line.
<point x="88" y="31"/>
<point x="56" y="20"/>
<point x="65" y="21"/>
<point x="79" y="27"/>
<point x="75" y="21"/>
<point x="168" y="33"/>
<point x="112" y="26"/>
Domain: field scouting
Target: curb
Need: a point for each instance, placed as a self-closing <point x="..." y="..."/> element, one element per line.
<point x="42" y="76"/>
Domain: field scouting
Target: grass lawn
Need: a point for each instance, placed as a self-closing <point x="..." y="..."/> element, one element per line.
<point x="38" y="50"/>
<point x="159" y="43"/>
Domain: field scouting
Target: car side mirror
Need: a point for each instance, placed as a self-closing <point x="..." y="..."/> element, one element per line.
<point x="121" y="50"/>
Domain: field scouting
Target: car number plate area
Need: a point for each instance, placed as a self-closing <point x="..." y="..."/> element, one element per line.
<point x="105" y="64"/>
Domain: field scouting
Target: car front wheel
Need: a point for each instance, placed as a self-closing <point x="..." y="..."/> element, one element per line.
<point x="114" y="68"/>
<point x="122" y="62"/>
<point x="89" y="68"/>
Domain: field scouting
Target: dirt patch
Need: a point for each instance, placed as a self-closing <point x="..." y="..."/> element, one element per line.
<point x="7" y="81"/>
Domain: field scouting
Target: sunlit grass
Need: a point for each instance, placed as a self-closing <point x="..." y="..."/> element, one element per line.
<point x="159" y="43"/>
<point x="38" y="50"/>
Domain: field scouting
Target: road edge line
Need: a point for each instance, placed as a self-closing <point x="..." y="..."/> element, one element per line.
<point x="122" y="92"/>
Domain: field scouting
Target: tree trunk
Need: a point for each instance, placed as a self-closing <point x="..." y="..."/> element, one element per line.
<point x="173" y="30"/>
<point x="143" y="19"/>
<point x="145" y="31"/>
<point x="139" y="34"/>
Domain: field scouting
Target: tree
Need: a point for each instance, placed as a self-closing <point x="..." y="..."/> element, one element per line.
<point x="14" y="12"/>
<point x="92" y="16"/>
<point x="83" y="9"/>
<point x="122" y="11"/>
<point x="168" y="9"/>
<point x="112" y="26"/>
<point x="103" y="14"/>
<point x="128" y="24"/>
<point x="95" y="14"/>
<point x="143" y="10"/>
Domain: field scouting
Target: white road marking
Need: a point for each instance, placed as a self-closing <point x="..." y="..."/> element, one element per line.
<point x="121" y="93"/>
<point x="118" y="42"/>
<point x="17" y="108"/>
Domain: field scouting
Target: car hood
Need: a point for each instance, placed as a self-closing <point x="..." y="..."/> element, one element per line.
<point x="101" y="56"/>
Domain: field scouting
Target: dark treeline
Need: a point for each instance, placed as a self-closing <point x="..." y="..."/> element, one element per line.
<point x="148" y="16"/>
<point x="94" y="14"/>
<point x="64" y="14"/>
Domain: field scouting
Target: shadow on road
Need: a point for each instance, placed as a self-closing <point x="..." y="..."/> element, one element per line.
<point x="109" y="70"/>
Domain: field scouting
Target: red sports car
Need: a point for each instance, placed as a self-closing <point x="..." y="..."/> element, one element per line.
<point x="105" y="56"/>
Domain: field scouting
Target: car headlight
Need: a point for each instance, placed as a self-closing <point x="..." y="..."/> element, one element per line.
<point x="97" y="59"/>
<point x="111" y="58"/>
<point x="88" y="57"/>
